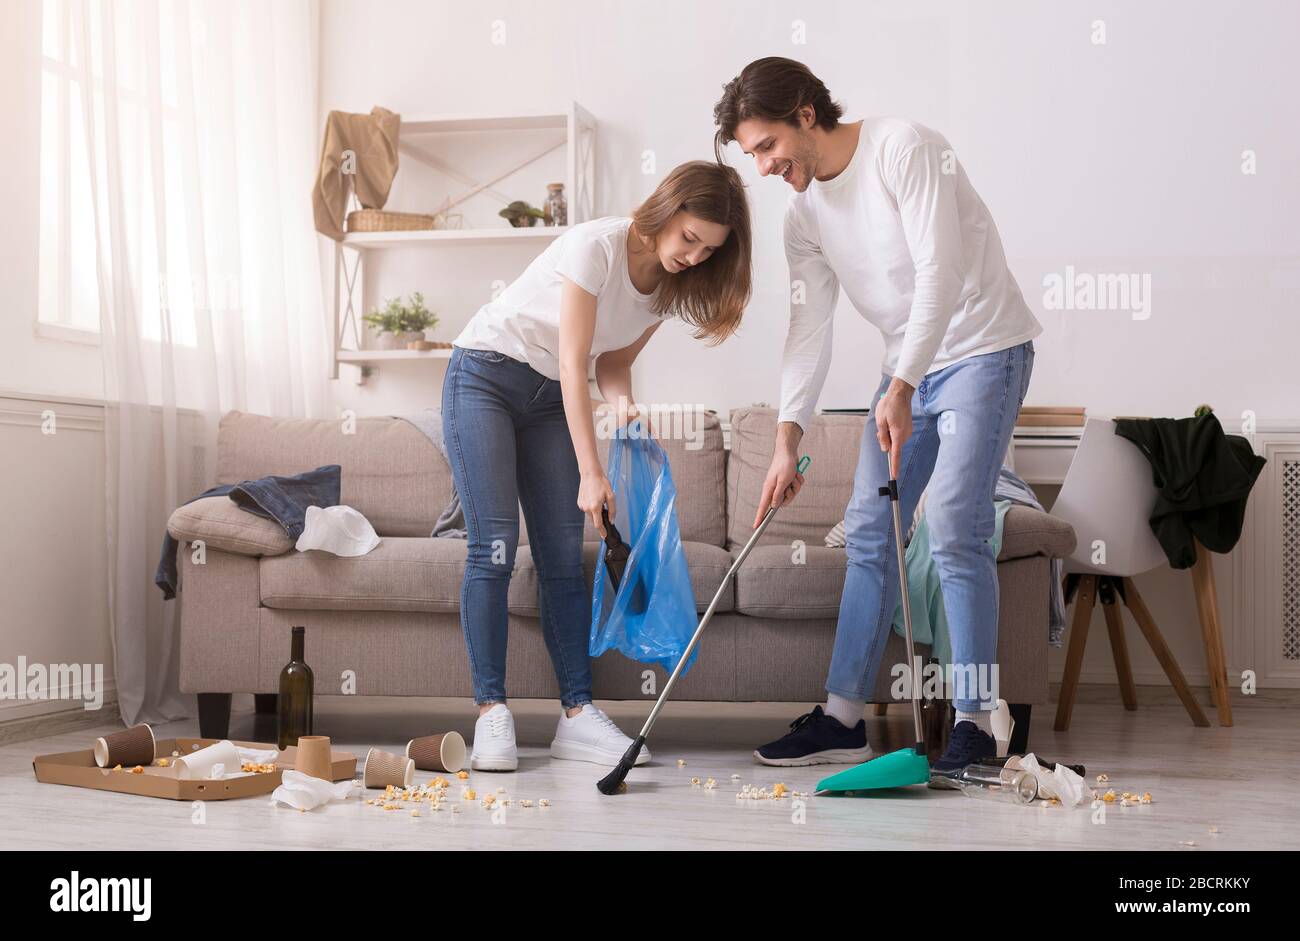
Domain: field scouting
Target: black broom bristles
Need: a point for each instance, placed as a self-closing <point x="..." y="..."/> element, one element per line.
<point x="613" y="782"/>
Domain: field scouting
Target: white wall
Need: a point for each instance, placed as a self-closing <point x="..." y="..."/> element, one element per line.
<point x="54" y="579"/>
<point x="1122" y="157"/>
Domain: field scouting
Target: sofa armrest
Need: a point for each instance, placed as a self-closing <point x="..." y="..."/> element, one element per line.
<point x="220" y="524"/>
<point x="1027" y="531"/>
<point x="220" y="618"/>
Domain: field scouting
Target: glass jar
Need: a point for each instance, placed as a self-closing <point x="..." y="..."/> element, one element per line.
<point x="556" y="208"/>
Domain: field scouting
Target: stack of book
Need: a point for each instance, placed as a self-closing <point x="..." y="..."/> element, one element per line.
<point x="1051" y="421"/>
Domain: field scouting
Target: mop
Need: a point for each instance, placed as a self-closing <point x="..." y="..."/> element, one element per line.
<point x="907" y="765"/>
<point x="612" y="783"/>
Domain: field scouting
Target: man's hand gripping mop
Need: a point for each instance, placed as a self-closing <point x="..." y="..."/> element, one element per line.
<point x="613" y="782"/>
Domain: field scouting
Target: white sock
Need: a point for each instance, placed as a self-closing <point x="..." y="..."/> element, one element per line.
<point x="848" y="711"/>
<point x="982" y="719"/>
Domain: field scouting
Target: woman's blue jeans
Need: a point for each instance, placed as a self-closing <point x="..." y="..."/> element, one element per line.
<point x="962" y="419"/>
<point x="509" y="444"/>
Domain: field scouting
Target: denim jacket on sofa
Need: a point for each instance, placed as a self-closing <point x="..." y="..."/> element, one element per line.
<point x="283" y="499"/>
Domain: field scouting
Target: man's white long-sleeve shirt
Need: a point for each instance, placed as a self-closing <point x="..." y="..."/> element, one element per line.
<point x="902" y="230"/>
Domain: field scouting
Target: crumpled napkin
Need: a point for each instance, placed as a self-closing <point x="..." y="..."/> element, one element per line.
<point x="303" y="792"/>
<point x="1063" y="784"/>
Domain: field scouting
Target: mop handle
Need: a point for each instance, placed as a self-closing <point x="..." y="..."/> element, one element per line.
<point x="708" y="613"/>
<point x="892" y="492"/>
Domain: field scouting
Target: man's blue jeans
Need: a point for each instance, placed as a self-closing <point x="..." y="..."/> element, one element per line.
<point x="962" y="419"/>
<point x="509" y="445"/>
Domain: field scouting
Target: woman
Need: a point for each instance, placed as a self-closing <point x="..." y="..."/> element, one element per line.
<point x="518" y="423"/>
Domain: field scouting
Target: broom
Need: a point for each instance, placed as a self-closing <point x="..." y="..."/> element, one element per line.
<point x="612" y="783"/>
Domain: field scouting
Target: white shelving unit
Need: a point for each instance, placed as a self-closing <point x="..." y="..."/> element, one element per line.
<point x="579" y="144"/>
<point x="366" y="240"/>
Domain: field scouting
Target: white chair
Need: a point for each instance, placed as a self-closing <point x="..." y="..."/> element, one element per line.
<point x="1108" y="496"/>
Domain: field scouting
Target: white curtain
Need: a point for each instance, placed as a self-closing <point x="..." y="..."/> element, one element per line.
<point x="198" y="126"/>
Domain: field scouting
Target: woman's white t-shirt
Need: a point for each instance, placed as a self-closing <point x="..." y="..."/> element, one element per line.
<point x="524" y="320"/>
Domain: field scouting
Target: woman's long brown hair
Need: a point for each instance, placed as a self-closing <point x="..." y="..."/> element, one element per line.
<point x="712" y="295"/>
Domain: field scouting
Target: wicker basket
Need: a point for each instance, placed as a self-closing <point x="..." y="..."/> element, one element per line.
<point x="379" y="220"/>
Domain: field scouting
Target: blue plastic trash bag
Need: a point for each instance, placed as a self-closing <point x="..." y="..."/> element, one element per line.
<point x="651" y="617"/>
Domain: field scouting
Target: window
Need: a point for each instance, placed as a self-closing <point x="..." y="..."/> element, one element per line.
<point x="125" y="157"/>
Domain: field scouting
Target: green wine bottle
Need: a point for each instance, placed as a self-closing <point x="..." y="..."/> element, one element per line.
<point x="295" y="695"/>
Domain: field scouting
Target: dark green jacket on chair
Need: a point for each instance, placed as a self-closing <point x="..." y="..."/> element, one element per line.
<point x="1204" y="478"/>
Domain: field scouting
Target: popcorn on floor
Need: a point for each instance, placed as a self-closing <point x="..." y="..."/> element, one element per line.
<point x="778" y="791"/>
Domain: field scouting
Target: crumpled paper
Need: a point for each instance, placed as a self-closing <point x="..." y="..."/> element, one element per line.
<point x="1063" y="784"/>
<point x="303" y="792"/>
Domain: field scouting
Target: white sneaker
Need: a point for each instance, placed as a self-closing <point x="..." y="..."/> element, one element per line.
<point x="494" y="741"/>
<point x="592" y="736"/>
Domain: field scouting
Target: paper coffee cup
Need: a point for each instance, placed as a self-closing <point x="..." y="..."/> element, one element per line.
<point x="133" y="746"/>
<point x="442" y="752"/>
<point x="201" y="765"/>
<point x="384" y="768"/>
<point x="313" y="758"/>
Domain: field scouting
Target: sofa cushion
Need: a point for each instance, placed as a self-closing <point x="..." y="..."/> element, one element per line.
<point x="692" y="440"/>
<point x="707" y="565"/>
<point x="400" y="482"/>
<point x="772" y="584"/>
<point x="392" y="473"/>
<point x="221" y="524"/>
<point x="400" y="574"/>
<point x="832" y="442"/>
<point x="422" y="574"/>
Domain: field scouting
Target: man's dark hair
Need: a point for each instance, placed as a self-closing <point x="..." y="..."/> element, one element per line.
<point x="772" y="89"/>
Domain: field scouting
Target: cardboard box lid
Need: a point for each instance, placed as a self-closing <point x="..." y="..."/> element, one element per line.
<point x="78" y="769"/>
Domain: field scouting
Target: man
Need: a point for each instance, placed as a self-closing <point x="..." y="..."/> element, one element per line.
<point x="883" y="209"/>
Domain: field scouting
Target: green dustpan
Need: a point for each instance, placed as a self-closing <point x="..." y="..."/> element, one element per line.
<point x="897" y="769"/>
<point x="907" y="765"/>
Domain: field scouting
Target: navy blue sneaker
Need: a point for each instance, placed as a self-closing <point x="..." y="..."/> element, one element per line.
<point x="817" y="739"/>
<point x="967" y="744"/>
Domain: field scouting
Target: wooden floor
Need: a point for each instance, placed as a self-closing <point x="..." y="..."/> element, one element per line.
<point x="1242" y="781"/>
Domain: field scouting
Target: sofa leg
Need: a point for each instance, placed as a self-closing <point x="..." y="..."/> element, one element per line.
<point x="1020" y="712"/>
<point x="214" y="715"/>
<point x="266" y="703"/>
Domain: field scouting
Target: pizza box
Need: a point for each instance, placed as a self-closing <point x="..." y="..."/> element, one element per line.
<point x="78" y="769"/>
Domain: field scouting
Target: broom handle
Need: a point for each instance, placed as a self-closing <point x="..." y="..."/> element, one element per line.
<point x="708" y="613"/>
<point x="892" y="492"/>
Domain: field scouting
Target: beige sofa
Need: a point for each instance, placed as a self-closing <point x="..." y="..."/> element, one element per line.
<point x="388" y="624"/>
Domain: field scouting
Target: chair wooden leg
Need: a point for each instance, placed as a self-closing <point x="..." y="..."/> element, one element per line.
<point x="1084" y="599"/>
<point x="1207" y="605"/>
<point x="882" y="708"/>
<point x="1119" y="649"/>
<point x="1163" y="654"/>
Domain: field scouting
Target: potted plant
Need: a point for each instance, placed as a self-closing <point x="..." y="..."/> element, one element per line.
<point x="401" y="322"/>
<point x="521" y="215"/>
